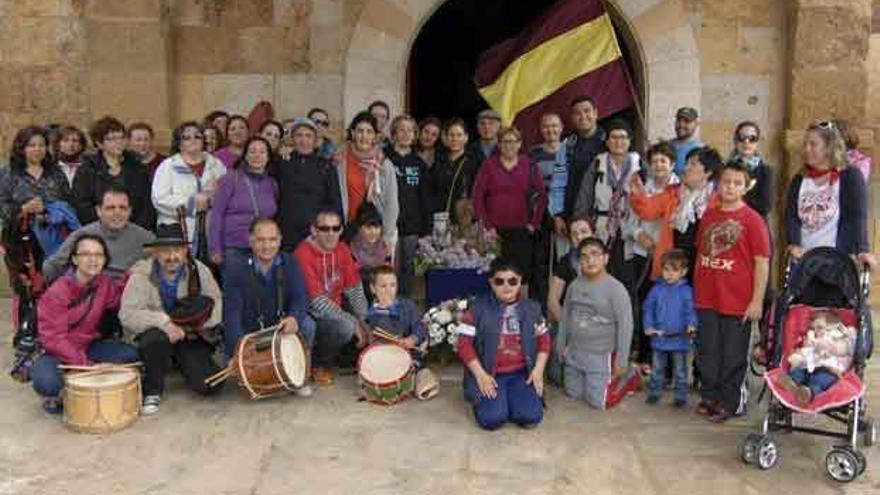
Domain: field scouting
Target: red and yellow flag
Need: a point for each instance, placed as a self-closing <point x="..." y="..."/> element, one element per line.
<point x="570" y="50"/>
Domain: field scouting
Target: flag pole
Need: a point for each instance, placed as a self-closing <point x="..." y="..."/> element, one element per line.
<point x="640" y="115"/>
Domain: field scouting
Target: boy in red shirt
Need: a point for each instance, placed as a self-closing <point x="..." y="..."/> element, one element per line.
<point x="733" y="256"/>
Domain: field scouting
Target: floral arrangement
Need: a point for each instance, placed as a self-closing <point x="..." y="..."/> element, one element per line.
<point x="474" y="249"/>
<point x="443" y="322"/>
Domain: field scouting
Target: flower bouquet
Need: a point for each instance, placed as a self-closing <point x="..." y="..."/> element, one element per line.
<point x="472" y="247"/>
<point x="443" y="323"/>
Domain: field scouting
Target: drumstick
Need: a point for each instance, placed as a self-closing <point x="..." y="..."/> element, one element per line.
<point x="386" y="336"/>
<point x="218" y="377"/>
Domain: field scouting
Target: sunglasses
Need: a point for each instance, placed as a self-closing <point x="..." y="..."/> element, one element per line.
<point x="511" y="281"/>
<point x="322" y="123"/>
<point x="748" y="138"/>
<point x="826" y="124"/>
<point x="328" y="228"/>
<point x="188" y="137"/>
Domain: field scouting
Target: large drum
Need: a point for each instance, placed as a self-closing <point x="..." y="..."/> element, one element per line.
<point x="386" y="373"/>
<point x="270" y="362"/>
<point x="101" y="401"/>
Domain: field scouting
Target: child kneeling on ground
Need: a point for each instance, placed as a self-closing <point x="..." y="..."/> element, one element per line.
<point x="671" y="321"/>
<point x="504" y="344"/>
<point x="825" y="356"/>
<point x="596" y="331"/>
<point x="400" y="318"/>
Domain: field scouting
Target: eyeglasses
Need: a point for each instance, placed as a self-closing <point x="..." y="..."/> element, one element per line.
<point x="322" y="123"/>
<point x="748" y="138"/>
<point x="94" y="256"/>
<point x="328" y="228"/>
<point x="511" y="281"/>
<point x="189" y="137"/>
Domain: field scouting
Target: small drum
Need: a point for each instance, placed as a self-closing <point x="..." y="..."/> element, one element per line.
<point x="386" y="373"/>
<point x="269" y="362"/>
<point x="101" y="401"/>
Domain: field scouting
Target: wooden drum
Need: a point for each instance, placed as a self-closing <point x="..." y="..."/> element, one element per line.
<point x="270" y="362"/>
<point x="101" y="401"/>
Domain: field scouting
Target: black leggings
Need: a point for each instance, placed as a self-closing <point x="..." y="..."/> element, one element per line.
<point x="193" y="356"/>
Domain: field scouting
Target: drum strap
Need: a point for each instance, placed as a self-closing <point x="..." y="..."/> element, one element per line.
<point x="255" y="288"/>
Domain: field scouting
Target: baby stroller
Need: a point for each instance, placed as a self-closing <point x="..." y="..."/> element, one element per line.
<point x="826" y="279"/>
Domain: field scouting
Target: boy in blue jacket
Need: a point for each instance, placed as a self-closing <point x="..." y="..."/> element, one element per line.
<point x="670" y="319"/>
<point x="397" y="316"/>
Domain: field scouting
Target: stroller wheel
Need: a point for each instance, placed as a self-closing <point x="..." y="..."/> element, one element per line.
<point x="863" y="462"/>
<point x="767" y="454"/>
<point x="748" y="448"/>
<point x="869" y="432"/>
<point x="843" y="465"/>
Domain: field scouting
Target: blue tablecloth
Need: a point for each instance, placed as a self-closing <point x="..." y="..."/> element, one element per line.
<point x="442" y="284"/>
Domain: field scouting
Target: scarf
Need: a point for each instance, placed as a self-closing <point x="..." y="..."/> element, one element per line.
<point x="751" y="162"/>
<point x="814" y="173"/>
<point x="693" y="205"/>
<point x="369" y="163"/>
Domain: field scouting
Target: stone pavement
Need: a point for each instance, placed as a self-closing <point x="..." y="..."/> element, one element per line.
<point x="333" y="444"/>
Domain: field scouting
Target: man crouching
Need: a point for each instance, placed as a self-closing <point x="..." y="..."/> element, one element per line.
<point x="159" y="287"/>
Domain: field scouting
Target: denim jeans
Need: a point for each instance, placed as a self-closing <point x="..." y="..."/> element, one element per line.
<point x="330" y="337"/>
<point x="48" y="379"/>
<point x="819" y="380"/>
<point x="661" y="360"/>
<point x="515" y="401"/>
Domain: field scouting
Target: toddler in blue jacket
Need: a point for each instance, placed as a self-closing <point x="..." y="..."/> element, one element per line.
<point x="670" y="319"/>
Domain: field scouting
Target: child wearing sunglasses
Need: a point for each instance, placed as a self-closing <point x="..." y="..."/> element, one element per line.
<point x="595" y="333"/>
<point x="505" y="350"/>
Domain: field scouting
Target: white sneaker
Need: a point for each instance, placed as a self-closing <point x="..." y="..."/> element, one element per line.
<point x="304" y="391"/>
<point x="151" y="405"/>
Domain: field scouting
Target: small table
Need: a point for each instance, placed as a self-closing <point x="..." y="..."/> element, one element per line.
<point x="442" y="284"/>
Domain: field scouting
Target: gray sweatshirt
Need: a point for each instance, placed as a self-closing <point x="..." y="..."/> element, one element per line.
<point x="126" y="247"/>
<point x="596" y="319"/>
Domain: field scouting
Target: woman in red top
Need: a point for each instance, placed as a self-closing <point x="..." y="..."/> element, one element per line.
<point x="509" y="196"/>
<point x="69" y="320"/>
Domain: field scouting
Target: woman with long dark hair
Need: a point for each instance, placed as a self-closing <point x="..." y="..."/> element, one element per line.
<point x="237" y="134"/>
<point x="243" y="195"/>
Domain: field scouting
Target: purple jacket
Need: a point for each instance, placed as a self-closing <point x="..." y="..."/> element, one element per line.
<point x="232" y="210"/>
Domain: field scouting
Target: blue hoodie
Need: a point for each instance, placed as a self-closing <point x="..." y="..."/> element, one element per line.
<point x="669" y="309"/>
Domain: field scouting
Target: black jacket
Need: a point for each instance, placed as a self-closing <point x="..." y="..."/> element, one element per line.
<point x="453" y="180"/>
<point x="760" y="197"/>
<point x="580" y="154"/>
<point x="93" y="178"/>
<point x="413" y="193"/>
<point x="307" y="184"/>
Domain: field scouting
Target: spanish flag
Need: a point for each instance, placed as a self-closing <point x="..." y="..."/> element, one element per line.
<point x="568" y="51"/>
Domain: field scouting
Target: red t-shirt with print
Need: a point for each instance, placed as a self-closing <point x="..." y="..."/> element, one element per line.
<point x="727" y="244"/>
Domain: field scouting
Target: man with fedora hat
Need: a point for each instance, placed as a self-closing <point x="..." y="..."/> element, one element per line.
<point x="171" y="307"/>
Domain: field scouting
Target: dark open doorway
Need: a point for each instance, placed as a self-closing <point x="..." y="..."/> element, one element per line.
<point x="444" y="55"/>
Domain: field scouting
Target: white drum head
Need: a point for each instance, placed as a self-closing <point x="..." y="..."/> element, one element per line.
<point x="109" y="378"/>
<point x="384" y="363"/>
<point x="293" y="359"/>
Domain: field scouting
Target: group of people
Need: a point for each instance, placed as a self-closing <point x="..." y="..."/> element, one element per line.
<point x="243" y="229"/>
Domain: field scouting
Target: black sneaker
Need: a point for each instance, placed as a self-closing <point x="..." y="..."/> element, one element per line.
<point x="52" y="405"/>
<point x="652" y="399"/>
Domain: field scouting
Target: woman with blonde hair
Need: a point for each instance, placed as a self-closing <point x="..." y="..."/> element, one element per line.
<point x="827" y="201"/>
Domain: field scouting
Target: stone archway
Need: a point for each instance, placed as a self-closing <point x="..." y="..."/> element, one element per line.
<point x="661" y="34"/>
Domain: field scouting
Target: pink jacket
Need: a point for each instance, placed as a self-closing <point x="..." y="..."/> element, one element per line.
<point x="69" y="314"/>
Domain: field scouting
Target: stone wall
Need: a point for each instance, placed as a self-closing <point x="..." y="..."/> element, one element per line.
<point x="230" y="54"/>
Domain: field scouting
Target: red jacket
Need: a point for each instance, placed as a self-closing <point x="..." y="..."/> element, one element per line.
<point x="327" y="273"/>
<point x="501" y="195"/>
<point x="69" y="314"/>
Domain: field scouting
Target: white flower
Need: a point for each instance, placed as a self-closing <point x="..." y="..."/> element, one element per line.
<point x="443" y="317"/>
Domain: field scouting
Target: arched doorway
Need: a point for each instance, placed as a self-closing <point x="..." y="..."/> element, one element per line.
<point x="657" y="33"/>
<point x="444" y="55"/>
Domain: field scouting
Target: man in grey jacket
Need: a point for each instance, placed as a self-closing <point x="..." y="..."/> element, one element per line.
<point x="125" y="240"/>
<point x="596" y="331"/>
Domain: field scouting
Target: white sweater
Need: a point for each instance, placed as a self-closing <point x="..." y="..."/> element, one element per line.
<point x="175" y="185"/>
